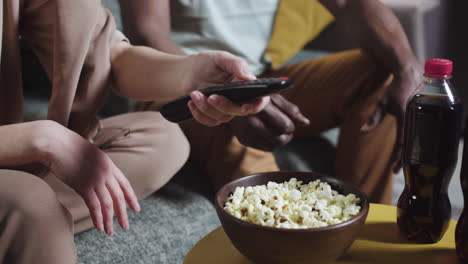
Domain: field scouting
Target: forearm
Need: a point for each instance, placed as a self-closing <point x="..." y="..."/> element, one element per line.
<point x="142" y="73"/>
<point x="377" y="31"/>
<point x="25" y="143"/>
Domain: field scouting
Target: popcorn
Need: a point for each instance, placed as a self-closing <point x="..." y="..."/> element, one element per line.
<point x="292" y="204"/>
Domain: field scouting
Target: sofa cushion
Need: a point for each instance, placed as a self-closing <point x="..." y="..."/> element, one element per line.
<point x="297" y="22"/>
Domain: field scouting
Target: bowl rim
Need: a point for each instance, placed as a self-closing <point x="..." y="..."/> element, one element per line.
<point x="362" y="213"/>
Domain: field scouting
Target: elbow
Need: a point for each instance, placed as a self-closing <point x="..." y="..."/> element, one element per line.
<point x="118" y="68"/>
<point x="138" y="36"/>
<point x="341" y="8"/>
<point x="336" y="7"/>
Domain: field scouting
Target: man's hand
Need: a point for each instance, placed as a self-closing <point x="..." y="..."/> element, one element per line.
<point x="93" y="175"/>
<point x="271" y="128"/>
<point x="400" y="90"/>
<point x="215" y="67"/>
<point x="394" y="103"/>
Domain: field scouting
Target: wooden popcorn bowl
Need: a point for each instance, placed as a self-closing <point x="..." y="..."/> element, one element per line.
<point x="271" y="245"/>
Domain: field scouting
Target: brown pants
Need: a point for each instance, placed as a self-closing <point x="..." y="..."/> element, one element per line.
<point x="38" y="217"/>
<point x="342" y="90"/>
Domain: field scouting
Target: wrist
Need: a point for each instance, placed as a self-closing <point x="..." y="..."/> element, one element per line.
<point x="408" y="67"/>
<point x="46" y="142"/>
<point x="191" y="65"/>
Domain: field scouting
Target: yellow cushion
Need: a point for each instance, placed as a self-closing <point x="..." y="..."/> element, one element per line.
<point x="296" y="23"/>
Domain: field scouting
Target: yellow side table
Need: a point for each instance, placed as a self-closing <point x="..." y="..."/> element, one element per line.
<point x="378" y="242"/>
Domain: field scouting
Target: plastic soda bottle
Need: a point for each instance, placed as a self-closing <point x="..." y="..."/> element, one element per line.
<point x="461" y="232"/>
<point x="431" y="138"/>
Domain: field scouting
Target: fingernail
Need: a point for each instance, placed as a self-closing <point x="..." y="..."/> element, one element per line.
<point x="214" y="99"/>
<point x="251" y="76"/>
<point x="98" y="226"/>
<point x="196" y="97"/>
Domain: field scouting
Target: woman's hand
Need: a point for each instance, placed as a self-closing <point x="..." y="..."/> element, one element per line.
<point x="145" y="74"/>
<point x="92" y="174"/>
<point x="215" y="67"/>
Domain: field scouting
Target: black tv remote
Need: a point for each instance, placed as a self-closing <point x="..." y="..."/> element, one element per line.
<point x="240" y="92"/>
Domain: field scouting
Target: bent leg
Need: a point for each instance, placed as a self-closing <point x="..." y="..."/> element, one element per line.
<point x="345" y="90"/>
<point x="34" y="226"/>
<point x="144" y="146"/>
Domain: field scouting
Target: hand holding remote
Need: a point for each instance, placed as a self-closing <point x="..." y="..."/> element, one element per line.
<point x="238" y="92"/>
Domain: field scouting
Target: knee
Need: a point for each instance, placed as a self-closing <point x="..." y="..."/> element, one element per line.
<point x="166" y="139"/>
<point x="172" y="152"/>
<point x="34" y="221"/>
<point x="166" y="151"/>
<point x="35" y="201"/>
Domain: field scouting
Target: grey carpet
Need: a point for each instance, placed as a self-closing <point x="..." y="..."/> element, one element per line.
<point x="171" y="221"/>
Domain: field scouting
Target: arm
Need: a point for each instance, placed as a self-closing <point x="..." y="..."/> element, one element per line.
<point x="76" y="162"/>
<point x="148" y="23"/>
<point x="143" y="73"/>
<point x="379" y="33"/>
<point x="23" y="144"/>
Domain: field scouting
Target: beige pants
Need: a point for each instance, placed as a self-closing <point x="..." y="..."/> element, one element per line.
<point x="39" y="215"/>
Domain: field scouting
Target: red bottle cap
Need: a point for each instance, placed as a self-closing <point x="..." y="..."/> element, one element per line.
<point x="438" y="67"/>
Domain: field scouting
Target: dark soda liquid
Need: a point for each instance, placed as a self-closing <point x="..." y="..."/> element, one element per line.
<point x="432" y="133"/>
<point x="461" y="239"/>
<point x="461" y="232"/>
